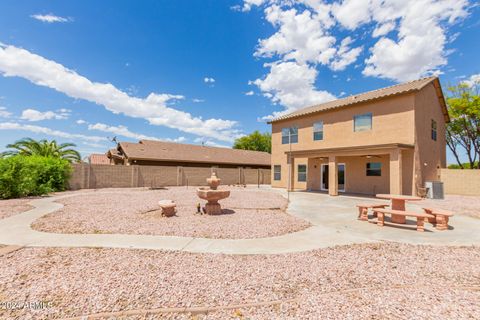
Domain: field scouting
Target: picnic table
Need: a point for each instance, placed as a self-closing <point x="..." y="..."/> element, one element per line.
<point x="398" y="203"/>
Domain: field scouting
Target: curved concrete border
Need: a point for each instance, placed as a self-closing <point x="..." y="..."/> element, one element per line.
<point x="333" y="219"/>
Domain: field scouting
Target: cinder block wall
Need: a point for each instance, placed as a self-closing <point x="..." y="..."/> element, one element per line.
<point x="86" y="176"/>
<point x="461" y="182"/>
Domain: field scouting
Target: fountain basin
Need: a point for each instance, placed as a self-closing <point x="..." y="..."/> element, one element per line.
<point x="212" y="195"/>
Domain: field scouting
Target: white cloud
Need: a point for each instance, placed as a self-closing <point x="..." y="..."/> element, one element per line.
<point x="383" y="29"/>
<point x="17" y="62"/>
<point x="208" y="80"/>
<point x="420" y="47"/>
<point x="50" y="18"/>
<point x="81" y="121"/>
<point x="345" y="56"/>
<point x="125" y="132"/>
<point x="306" y="32"/>
<point x="195" y="100"/>
<point x="291" y="85"/>
<point x="351" y="13"/>
<point x="473" y="80"/>
<point x="35" y="115"/>
<point x="248" y="4"/>
<point x="4" y="113"/>
<point x="301" y="36"/>
<point x="48" y="131"/>
<point x="249" y="93"/>
<point x="209" y="143"/>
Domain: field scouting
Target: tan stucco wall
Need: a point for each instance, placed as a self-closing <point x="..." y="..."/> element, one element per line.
<point x="430" y="154"/>
<point x="392" y="122"/>
<point x="402" y="119"/>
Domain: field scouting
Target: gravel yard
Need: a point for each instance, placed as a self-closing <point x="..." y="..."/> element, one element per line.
<point x="375" y="281"/>
<point x="248" y="213"/>
<point x="466" y="205"/>
<point x="12" y="207"/>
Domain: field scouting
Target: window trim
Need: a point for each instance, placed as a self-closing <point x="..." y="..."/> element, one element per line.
<point x="433" y="130"/>
<point x="275" y="166"/>
<point x="379" y="170"/>
<point x="360" y="115"/>
<point x="322" y="131"/>
<point x="292" y="138"/>
<point x="303" y="173"/>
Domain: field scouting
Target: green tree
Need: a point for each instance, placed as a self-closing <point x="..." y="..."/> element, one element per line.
<point x="255" y="141"/>
<point x="463" y="131"/>
<point x="44" y="148"/>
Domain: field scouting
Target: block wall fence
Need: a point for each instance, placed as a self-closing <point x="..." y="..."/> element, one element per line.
<point x="87" y="176"/>
<point x="461" y="182"/>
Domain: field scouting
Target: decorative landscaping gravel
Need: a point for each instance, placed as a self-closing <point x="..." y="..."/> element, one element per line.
<point x="248" y="213"/>
<point x="374" y="281"/>
<point x="14" y="206"/>
<point x="466" y="205"/>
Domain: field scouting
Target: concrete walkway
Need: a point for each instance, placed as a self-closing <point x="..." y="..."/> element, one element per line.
<point x="333" y="219"/>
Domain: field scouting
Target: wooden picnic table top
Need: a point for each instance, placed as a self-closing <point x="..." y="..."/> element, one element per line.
<point x="398" y="197"/>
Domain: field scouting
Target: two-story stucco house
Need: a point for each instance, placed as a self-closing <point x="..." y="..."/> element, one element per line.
<point x="389" y="140"/>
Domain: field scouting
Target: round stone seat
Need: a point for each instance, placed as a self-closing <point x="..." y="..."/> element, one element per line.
<point x="168" y="207"/>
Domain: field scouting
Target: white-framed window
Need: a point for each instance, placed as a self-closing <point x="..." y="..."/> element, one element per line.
<point x="302" y="173"/>
<point x="277" y="172"/>
<point x="434" y="130"/>
<point x="292" y="133"/>
<point x="318" y="130"/>
<point x="374" y="169"/>
<point x="362" y="122"/>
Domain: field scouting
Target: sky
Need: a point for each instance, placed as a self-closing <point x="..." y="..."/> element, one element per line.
<point x="211" y="71"/>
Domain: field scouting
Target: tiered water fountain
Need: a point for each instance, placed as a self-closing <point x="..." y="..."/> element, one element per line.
<point x="212" y="195"/>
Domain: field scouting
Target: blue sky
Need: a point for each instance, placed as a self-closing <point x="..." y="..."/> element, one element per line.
<point x="209" y="71"/>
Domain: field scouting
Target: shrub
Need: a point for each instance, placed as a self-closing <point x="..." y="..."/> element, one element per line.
<point x="22" y="176"/>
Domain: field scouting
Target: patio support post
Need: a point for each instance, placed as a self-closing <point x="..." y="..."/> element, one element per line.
<point x="396" y="171"/>
<point x="332" y="176"/>
<point x="291" y="172"/>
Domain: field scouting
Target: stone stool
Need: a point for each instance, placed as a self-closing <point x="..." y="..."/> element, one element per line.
<point x="168" y="207"/>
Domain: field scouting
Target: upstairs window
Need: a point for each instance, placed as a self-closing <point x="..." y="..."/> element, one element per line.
<point x="362" y="122"/>
<point x="302" y="173"/>
<point x="318" y="130"/>
<point x="374" y="169"/>
<point x="291" y="133"/>
<point x="277" y="172"/>
<point x="434" y="130"/>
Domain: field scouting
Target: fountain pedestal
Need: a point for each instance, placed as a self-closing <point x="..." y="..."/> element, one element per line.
<point x="212" y="195"/>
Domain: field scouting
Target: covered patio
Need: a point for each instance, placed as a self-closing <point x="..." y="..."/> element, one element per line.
<point x="388" y="168"/>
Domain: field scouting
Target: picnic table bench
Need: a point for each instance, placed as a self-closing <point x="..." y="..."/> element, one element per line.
<point x="419" y="215"/>
<point x="439" y="217"/>
<point x="363" y="209"/>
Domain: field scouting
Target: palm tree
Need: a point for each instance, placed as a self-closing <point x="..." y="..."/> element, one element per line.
<point x="45" y="148"/>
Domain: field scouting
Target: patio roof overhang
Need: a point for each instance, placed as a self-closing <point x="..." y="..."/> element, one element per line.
<point x="350" y="151"/>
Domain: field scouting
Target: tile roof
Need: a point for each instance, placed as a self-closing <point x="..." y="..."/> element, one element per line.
<point x="96" y="158"/>
<point x="169" y="151"/>
<point x="402" y="88"/>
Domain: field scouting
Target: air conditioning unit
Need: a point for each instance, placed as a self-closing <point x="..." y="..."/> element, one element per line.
<point x="435" y="189"/>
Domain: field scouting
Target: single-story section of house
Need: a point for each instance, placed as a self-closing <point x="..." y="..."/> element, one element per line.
<point x="160" y="153"/>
